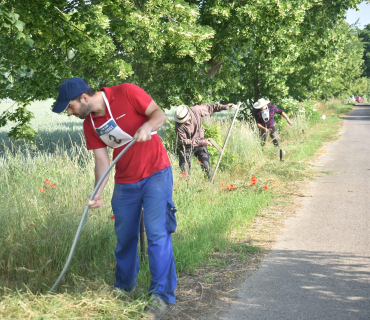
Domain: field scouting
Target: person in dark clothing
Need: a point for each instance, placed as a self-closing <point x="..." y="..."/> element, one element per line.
<point x="190" y="134"/>
<point x="264" y="115"/>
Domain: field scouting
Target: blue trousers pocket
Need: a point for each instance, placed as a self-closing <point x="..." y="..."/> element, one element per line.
<point x="171" y="222"/>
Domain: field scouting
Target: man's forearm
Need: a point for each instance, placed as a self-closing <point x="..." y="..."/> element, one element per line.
<point x="156" y="119"/>
<point x="100" y="168"/>
<point x="286" y="117"/>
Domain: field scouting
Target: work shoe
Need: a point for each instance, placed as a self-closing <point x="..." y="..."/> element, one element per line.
<point x="157" y="309"/>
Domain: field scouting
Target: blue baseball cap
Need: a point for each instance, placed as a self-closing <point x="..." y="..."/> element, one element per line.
<point x="69" y="90"/>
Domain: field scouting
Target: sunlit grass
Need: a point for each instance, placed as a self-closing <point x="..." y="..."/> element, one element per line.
<point x="38" y="227"/>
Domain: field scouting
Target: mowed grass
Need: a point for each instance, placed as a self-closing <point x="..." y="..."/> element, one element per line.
<point x="38" y="227"/>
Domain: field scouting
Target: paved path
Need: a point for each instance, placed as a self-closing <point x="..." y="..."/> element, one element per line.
<point x="320" y="265"/>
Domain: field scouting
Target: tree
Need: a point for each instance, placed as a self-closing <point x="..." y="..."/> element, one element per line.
<point x="99" y="41"/>
<point x="364" y="35"/>
<point x="180" y="51"/>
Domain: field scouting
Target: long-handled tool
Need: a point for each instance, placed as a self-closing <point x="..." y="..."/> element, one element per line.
<point x="84" y="215"/>
<point x="279" y="134"/>
<point x="227" y="138"/>
<point x="214" y="143"/>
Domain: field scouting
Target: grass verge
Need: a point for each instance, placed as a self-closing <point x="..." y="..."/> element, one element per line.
<point x="38" y="227"/>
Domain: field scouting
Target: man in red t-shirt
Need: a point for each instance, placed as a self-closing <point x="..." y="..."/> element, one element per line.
<point x="143" y="178"/>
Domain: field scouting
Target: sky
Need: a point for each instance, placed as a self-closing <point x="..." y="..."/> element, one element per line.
<point x="363" y="15"/>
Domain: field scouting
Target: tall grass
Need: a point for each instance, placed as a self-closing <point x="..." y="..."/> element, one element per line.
<point x="38" y="227"/>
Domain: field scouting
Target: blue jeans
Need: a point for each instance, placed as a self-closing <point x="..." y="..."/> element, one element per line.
<point x="154" y="194"/>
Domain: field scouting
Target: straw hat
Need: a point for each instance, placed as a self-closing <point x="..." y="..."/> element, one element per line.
<point x="260" y="103"/>
<point x="182" y="114"/>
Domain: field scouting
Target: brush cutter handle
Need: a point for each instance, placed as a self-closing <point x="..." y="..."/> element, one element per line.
<point x="89" y="202"/>
<point x="84" y="215"/>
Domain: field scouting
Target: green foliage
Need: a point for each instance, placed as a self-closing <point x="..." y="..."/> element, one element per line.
<point x="228" y="158"/>
<point x="170" y="140"/>
<point x="304" y="109"/>
<point x="364" y="35"/>
<point x="179" y="51"/>
<point x="214" y="132"/>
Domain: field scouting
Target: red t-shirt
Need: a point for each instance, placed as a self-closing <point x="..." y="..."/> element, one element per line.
<point x="128" y="104"/>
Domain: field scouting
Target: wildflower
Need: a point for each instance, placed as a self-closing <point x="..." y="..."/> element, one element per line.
<point x="52" y="185"/>
<point x="32" y="225"/>
<point x="198" y="162"/>
<point x="228" y="188"/>
<point x="275" y="182"/>
<point x="222" y="185"/>
<point x="232" y="186"/>
<point x="42" y="190"/>
<point x="51" y="234"/>
<point x="112" y="217"/>
<point x="254" y="182"/>
<point x="331" y="111"/>
<point x="266" y="187"/>
<point x="46" y="181"/>
<point x="184" y="174"/>
<point x="253" y="179"/>
<point x="323" y="117"/>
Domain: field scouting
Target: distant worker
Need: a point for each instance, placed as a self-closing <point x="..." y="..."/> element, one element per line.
<point x="264" y="114"/>
<point x="190" y="134"/>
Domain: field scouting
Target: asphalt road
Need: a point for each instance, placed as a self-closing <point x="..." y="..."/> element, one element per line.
<point x="319" y="267"/>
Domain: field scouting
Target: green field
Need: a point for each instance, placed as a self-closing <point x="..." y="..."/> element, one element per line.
<point x="38" y="227"/>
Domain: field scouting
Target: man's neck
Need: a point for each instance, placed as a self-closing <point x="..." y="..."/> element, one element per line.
<point x="98" y="104"/>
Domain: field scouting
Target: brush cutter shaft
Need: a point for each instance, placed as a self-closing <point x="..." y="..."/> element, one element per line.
<point x="84" y="215"/>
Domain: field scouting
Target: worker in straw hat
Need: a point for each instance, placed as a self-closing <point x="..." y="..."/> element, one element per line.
<point x="190" y="134"/>
<point x="264" y="113"/>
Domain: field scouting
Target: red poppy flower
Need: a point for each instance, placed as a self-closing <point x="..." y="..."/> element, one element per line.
<point x="228" y="188"/>
<point x="254" y="182"/>
<point x="32" y="225"/>
<point x="198" y="162"/>
<point x="51" y="234"/>
<point x="46" y="181"/>
<point x="112" y="217"/>
<point x="232" y="186"/>
<point x="42" y="190"/>
<point x="53" y="185"/>
<point x="184" y="174"/>
<point x="266" y="187"/>
<point x="222" y="185"/>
